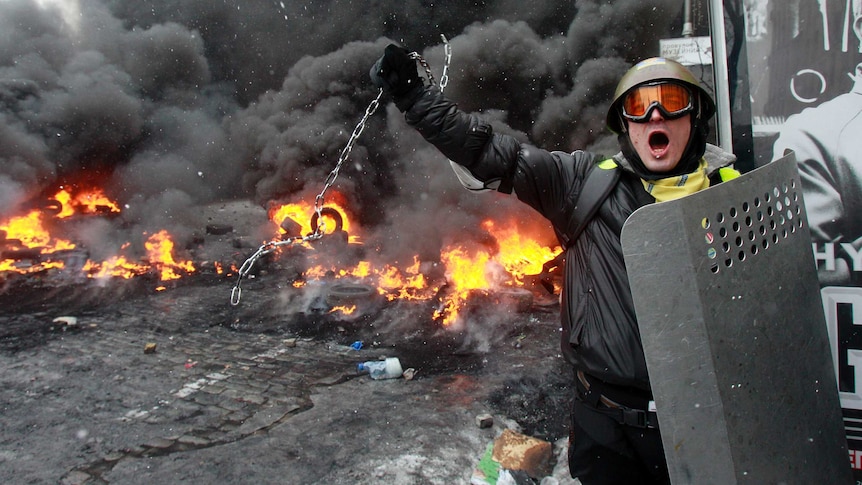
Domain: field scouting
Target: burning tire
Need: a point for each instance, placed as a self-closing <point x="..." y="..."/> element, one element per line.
<point x="327" y="212"/>
<point x="349" y="294"/>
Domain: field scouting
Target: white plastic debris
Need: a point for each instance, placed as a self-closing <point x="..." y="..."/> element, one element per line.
<point x="67" y="320"/>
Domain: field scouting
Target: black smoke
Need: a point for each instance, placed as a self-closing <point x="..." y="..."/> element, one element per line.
<point x="173" y="104"/>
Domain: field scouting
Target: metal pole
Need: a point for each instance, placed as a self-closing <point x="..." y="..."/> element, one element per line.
<point x="687" y="25"/>
<point x="722" y="85"/>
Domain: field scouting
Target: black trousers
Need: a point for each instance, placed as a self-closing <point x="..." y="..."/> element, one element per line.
<point x="604" y="452"/>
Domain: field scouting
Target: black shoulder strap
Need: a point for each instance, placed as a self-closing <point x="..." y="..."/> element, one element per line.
<point x="599" y="182"/>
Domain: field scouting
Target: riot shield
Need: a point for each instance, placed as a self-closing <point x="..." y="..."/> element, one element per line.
<point x="728" y="304"/>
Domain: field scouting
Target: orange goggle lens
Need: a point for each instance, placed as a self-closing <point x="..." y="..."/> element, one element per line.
<point x="673" y="100"/>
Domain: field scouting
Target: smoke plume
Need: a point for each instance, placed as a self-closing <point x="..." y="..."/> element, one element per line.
<point x="172" y="104"/>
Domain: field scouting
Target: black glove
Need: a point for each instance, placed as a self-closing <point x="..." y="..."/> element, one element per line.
<point x="396" y="74"/>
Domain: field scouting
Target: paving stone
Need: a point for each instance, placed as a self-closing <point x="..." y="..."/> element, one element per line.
<point x="239" y="416"/>
<point x="207" y="399"/>
<point x="179" y="411"/>
<point x="75" y="478"/>
<point x="233" y="404"/>
<point x="217" y="376"/>
<point x="193" y="440"/>
<point x="159" y="443"/>
<point x="330" y="380"/>
<point x="115" y="456"/>
<point x="258" y="384"/>
<point x="276" y="389"/>
<point x="254" y="399"/>
<point x="213" y="389"/>
<point x="265" y="418"/>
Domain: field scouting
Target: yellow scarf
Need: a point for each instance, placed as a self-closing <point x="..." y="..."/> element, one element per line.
<point x="679" y="186"/>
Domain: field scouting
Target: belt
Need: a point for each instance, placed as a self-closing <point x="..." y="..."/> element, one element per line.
<point x="602" y="398"/>
<point x="639" y="418"/>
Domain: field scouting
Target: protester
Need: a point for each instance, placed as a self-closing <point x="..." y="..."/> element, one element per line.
<point x="661" y="115"/>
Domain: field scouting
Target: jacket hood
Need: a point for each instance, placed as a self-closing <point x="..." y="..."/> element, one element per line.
<point x="715" y="157"/>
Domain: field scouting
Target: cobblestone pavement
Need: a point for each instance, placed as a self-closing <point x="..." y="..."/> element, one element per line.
<point x="257" y="395"/>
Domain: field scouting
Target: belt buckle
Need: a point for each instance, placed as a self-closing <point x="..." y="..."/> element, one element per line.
<point x="639" y="418"/>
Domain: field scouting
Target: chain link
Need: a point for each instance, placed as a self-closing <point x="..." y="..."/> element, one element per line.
<point x="320" y="230"/>
<point x="444" y="78"/>
<point x="447" y="51"/>
<point x="421" y="60"/>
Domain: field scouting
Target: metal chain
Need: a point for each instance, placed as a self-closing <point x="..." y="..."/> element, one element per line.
<point x="447" y="50"/>
<point x="444" y="78"/>
<point x="417" y="57"/>
<point x="330" y="179"/>
<point x="319" y="231"/>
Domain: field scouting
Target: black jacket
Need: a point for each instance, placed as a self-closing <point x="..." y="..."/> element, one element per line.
<point x="599" y="328"/>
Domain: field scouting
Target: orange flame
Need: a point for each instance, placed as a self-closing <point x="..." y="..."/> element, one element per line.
<point x="160" y="257"/>
<point x="90" y="201"/>
<point x="519" y="255"/>
<point x="465" y="272"/>
<point x="407" y="284"/>
<point x="344" y="309"/>
<point x="30" y="232"/>
<point x="301" y="214"/>
<point x="117" y="266"/>
<point x="160" y="250"/>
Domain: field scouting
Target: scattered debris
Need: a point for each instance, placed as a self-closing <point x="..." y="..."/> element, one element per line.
<point x="513" y="454"/>
<point x="487" y="471"/>
<point x="520" y="338"/>
<point x="67" y="320"/>
<point x="291" y="228"/>
<point x="219" y="229"/>
<point x="243" y="242"/>
<point x="382" y="369"/>
<point x="150" y="348"/>
<point x="484" y="421"/>
<point x="340" y="349"/>
<point x="515" y="451"/>
<point x="409" y="374"/>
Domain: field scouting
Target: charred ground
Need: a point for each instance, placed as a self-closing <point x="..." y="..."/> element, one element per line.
<point x="69" y="387"/>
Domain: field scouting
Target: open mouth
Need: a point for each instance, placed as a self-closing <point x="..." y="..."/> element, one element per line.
<point x="658" y="141"/>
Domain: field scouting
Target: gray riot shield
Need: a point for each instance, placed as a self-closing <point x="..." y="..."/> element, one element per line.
<point x="727" y="299"/>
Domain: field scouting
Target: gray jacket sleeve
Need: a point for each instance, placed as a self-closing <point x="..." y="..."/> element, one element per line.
<point x="464" y="138"/>
<point x="542" y="179"/>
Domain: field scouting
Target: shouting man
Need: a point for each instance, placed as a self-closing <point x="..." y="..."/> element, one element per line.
<point x="660" y="114"/>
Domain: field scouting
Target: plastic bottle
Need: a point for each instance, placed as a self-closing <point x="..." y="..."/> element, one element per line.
<point x="382" y="369"/>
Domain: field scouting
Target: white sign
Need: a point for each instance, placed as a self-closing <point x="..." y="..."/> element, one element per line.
<point x="688" y="51"/>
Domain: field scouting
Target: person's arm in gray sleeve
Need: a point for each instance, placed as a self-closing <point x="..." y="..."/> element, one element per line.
<point x="463" y="138"/>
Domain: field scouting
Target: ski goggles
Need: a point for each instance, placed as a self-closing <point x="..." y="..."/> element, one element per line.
<point x="672" y="100"/>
